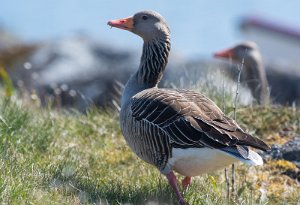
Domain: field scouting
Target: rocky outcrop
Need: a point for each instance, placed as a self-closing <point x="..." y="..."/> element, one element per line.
<point x="77" y="71"/>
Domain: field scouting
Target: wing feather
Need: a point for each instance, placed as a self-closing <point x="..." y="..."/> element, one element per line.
<point x="190" y="120"/>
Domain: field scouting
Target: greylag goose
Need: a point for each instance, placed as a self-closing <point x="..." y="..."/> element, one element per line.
<point x="283" y="86"/>
<point x="254" y="71"/>
<point x="175" y="130"/>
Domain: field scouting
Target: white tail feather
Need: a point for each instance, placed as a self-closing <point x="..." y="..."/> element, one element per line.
<point x="254" y="159"/>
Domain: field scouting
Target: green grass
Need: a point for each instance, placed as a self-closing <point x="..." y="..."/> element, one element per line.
<point x="58" y="157"/>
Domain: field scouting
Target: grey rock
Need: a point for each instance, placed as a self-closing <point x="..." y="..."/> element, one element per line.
<point x="290" y="151"/>
<point x="74" y="72"/>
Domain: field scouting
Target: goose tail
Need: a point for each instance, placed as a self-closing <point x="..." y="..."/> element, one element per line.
<point x="249" y="157"/>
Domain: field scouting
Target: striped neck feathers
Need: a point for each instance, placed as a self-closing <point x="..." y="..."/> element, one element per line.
<point x="153" y="61"/>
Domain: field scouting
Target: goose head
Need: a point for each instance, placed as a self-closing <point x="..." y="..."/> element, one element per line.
<point x="149" y="25"/>
<point x="245" y="52"/>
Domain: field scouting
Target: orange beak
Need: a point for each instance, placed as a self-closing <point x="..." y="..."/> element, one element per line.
<point x="229" y="53"/>
<point x="125" y="23"/>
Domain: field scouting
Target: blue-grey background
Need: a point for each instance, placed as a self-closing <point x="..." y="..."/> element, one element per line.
<point x="198" y="27"/>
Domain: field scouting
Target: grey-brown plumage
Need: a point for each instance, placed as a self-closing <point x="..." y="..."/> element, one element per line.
<point x="170" y="128"/>
<point x="254" y="73"/>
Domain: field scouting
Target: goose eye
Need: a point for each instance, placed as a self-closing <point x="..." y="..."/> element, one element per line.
<point x="144" y="17"/>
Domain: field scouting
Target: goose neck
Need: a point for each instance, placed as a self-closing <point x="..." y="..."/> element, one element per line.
<point x="152" y="65"/>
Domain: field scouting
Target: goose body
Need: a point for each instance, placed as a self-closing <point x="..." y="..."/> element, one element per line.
<point x="178" y="130"/>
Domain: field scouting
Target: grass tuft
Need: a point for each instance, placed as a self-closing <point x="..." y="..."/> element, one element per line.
<point x="7" y="82"/>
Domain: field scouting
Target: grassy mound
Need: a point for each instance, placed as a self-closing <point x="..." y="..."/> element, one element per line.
<point x="59" y="157"/>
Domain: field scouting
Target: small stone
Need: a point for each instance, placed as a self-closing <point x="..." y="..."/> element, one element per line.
<point x="27" y="65"/>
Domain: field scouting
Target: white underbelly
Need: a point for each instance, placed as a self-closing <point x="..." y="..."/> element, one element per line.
<point x="196" y="161"/>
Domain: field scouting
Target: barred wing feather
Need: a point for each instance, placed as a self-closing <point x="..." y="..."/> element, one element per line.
<point x="191" y="120"/>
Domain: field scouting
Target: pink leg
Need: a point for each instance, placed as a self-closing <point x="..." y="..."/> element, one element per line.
<point x="173" y="182"/>
<point x="186" y="182"/>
